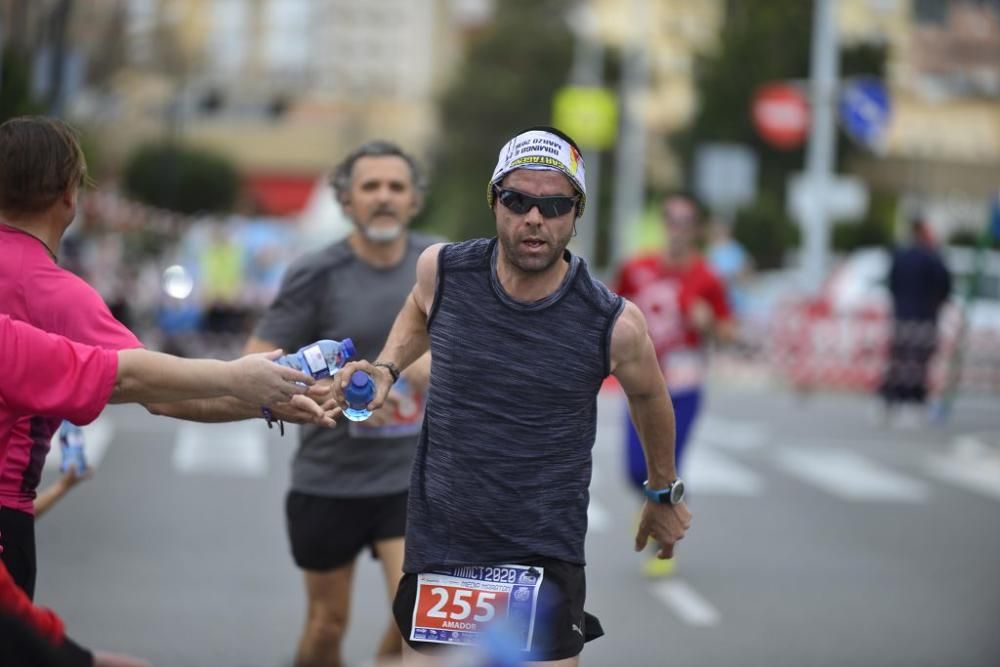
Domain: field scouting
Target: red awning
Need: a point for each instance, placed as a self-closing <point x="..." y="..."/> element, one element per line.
<point x="280" y="194"/>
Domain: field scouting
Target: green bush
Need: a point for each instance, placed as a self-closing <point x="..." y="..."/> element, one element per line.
<point x="182" y="179"/>
<point x="766" y="232"/>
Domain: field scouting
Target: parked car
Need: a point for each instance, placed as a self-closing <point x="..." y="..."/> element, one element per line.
<point x="841" y="338"/>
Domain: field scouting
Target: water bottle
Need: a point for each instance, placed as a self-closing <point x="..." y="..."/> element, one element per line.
<point x="71" y="446"/>
<point x="359" y="392"/>
<point x="320" y="359"/>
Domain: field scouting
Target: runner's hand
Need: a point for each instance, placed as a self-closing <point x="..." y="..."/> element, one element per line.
<point x="664" y="523"/>
<point x="258" y="380"/>
<point x="380" y="374"/>
<point x="387" y="413"/>
<point x="701" y="315"/>
<point x="71" y="477"/>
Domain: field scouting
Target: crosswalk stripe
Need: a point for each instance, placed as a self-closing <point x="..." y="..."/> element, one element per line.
<point x="972" y="465"/>
<point x="732" y="434"/>
<point x="707" y="471"/>
<point x="684" y="601"/>
<point x="850" y="476"/>
<point x="238" y="449"/>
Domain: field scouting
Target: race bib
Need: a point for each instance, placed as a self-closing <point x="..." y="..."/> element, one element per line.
<point x="457" y="605"/>
<point x="406" y="418"/>
<point x="684" y="369"/>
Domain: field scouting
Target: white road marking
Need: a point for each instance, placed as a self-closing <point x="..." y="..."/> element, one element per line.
<point x="238" y="449"/>
<point x="97" y="436"/>
<point x="684" y="601"/>
<point x="732" y="434"/>
<point x="850" y="476"/>
<point x="972" y="465"/>
<point x="706" y="471"/>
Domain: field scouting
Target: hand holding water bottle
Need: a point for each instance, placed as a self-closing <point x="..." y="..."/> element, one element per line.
<point x="71" y="447"/>
<point x="375" y="381"/>
<point x="359" y="392"/>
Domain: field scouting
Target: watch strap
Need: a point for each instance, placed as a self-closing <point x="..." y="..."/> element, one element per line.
<point x="391" y="367"/>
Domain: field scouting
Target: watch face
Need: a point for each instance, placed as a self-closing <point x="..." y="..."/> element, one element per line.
<point x="676" y="492"/>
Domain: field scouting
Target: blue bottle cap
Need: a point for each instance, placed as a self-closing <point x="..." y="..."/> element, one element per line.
<point x="360" y="379"/>
<point x="347" y="347"/>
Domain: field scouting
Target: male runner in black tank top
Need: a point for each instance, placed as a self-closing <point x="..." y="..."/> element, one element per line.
<point x="521" y="338"/>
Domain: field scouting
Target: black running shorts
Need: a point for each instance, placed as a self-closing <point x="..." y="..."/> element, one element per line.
<point x="327" y="533"/>
<point x="17" y="537"/>
<point x="561" y="624"/>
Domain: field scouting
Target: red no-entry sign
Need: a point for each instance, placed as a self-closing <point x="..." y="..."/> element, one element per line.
<point x="781" y="115"/>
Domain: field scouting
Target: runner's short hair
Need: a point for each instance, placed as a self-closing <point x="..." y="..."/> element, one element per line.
<point x="40" y="159"/>
<point x="340" y="177"/>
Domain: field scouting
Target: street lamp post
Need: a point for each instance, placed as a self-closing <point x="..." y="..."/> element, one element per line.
<point x="820" y="152"/>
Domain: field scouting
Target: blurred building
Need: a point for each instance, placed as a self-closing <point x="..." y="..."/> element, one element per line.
<point x="284" y="87"/>
<point x="674" y="33"/>
<point x="943" y="147"/>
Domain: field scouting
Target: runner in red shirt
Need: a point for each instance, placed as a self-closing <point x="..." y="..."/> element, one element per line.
<point x="685" y="305"/>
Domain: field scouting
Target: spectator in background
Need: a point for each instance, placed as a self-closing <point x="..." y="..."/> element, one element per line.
<point x="731" y="263"/>
<point x="919" y="282"/>
<point x="42" y="169"/>
<point x="685" y="305"/>
<point x="350" y="485"/>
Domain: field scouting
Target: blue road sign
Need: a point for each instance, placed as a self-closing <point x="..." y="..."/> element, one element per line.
<point x="865" y="108"/>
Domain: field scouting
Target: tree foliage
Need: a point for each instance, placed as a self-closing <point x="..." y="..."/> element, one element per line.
<point x="15" y="88"/>
<point x="182" y="179"/>
<point x="506" y="84"/>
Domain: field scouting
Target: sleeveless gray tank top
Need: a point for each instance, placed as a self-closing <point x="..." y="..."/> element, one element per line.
<point x="503" y="464"/>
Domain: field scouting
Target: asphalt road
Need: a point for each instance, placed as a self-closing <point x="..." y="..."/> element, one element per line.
<point x="820" y="538"/>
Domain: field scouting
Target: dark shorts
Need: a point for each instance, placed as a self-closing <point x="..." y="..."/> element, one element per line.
<point x="561" y="624"/>
<point x="327" y="533"/>
<point x="17" y="536"/>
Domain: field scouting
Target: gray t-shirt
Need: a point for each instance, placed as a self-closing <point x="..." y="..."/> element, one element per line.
<point x="334" y="294"/>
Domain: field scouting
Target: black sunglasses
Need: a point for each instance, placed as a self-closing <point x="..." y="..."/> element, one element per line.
<point x="550" y="207"/>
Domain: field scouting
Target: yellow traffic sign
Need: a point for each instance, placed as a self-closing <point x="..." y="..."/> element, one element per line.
<point x="589" y="114"/>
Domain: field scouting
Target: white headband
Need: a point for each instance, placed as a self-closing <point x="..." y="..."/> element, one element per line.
<point x="541" y="150"/>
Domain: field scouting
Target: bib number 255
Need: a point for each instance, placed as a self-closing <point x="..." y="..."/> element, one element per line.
<point x="460" y="604"/>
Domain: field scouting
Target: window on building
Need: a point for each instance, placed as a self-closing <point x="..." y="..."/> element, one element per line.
<point x="930" y="12"/>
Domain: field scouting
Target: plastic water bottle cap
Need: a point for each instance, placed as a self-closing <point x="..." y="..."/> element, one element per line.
<point x="347" y="347"/>
<point x="359" y="379"/>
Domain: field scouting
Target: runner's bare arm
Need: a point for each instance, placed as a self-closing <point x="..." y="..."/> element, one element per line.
<point x="634" y="364"/>
<point x="408" y="338"/>
<point x="52" y="494"/>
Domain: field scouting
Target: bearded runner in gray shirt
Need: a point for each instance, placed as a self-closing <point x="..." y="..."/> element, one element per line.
<point x="349" y="485"/>
<point x="522" y="338"/>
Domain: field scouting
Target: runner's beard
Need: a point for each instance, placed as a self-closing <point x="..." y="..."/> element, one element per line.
<point x="383" y="234"/>
<point x="536" y="264"/>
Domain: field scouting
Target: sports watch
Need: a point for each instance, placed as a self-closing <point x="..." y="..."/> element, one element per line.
<point x="671" y="495"/>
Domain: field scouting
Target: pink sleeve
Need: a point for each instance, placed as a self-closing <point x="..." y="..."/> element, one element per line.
<point x="67" y="305"/>
<point x="51" y="376"/>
